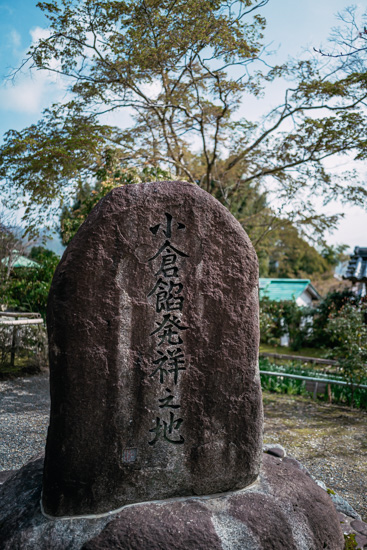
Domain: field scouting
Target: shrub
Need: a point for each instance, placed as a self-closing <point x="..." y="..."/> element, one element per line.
<point x="348" y="333"/>
<point x="331" y="304"/>
<point x="27" y="288"/>
<point x="283" y="317"/>
<point x="339" y="394"/>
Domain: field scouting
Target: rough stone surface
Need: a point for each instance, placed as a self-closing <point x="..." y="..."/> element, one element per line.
<point x="5" y="474"/>
<point x="153" y="337"/>
<point x="290" y="460"/>
<point x="361" y="541"/>
<point x="320" y="484"/>
<point x="345" y="522"/>
<point x="178" y="525"/>
<point x="343" y="506"/>
<point x="354" y="527"/>
<point x="359" y="526"/>
<point x="22" y="525"/>
<point x="284" y="510"/>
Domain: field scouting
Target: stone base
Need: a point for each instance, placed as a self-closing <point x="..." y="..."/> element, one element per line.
<point x="284" y="510"/>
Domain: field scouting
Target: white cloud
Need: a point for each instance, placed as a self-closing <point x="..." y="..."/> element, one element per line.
<point x="25" y="96"/>
<point x="38" y="33"/>
<point x="152" y="89"/>
<point x="15" y="39"/>
<point x="31" y="91"/>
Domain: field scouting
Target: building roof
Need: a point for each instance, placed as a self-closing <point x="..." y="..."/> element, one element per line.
<point x="357" y="266"/>
<point x="17" y="260"/>
<point x="286" y="289"/>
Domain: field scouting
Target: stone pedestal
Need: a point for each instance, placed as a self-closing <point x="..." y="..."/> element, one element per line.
<point x="283" y="510"/>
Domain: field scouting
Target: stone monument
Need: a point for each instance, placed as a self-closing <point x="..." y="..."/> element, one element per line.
<point x="155" y="431"/>
<point x="153" y="337"/>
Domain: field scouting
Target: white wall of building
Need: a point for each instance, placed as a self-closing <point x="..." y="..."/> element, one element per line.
<point x="305" y="300"/>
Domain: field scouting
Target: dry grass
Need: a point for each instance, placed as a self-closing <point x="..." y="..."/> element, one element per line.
<point x="330" y="440"/>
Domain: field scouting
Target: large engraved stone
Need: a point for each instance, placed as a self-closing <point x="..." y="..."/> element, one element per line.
<point x="153" y="336"/>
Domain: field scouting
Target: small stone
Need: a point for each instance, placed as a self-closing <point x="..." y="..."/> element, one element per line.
<point x="359" y="526"/>
<point x="361" y="540"/>
<point x="343" y="506"/>
<point x="275" y="450"/>
<point x="321" y="484"/>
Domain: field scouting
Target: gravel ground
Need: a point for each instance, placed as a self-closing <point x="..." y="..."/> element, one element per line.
<point x="331" y="441"/>
<point x="24" y="412"/>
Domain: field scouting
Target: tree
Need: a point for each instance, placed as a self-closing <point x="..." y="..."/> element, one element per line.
<point x="330" y="306"/>
<point x="287" y="254"/>
<point x="27" y="289"/>
<point x="281" y="251"/>
<point x="10" y="243"/>
<point x="182" y="68"/>
<point x="335" y="254"/>
<point x="349" y="40"/>
<point x="348" y="331"/>
<point x="108" y="176"/>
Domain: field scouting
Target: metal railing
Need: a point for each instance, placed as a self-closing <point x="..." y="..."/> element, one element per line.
<point x="313" y="379"/>
<point x="316" y="360"/>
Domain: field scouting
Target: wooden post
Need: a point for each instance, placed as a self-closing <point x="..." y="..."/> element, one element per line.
<point x="315" y="390"/>
<point x="13" y="345"/>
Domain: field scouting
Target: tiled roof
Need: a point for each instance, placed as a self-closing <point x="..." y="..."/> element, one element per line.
<point x="17" y="260"/>
<point x="357" y="266"/>
<point x="286" y="289"/>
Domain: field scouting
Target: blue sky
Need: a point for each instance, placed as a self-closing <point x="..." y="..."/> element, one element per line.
<point x="17" y="19"/>
<point x="292" y="26"/>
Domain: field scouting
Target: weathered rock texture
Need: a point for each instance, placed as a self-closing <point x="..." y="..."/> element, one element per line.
<point x="153" y="337"/>
<point x="284" y="510"/>
<point x="24" y="527"/>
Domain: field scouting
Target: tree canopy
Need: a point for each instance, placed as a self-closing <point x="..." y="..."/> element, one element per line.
<point x="349" y="40"/>
<point x="282" y="252"/>
<point x="182" y="70"/>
